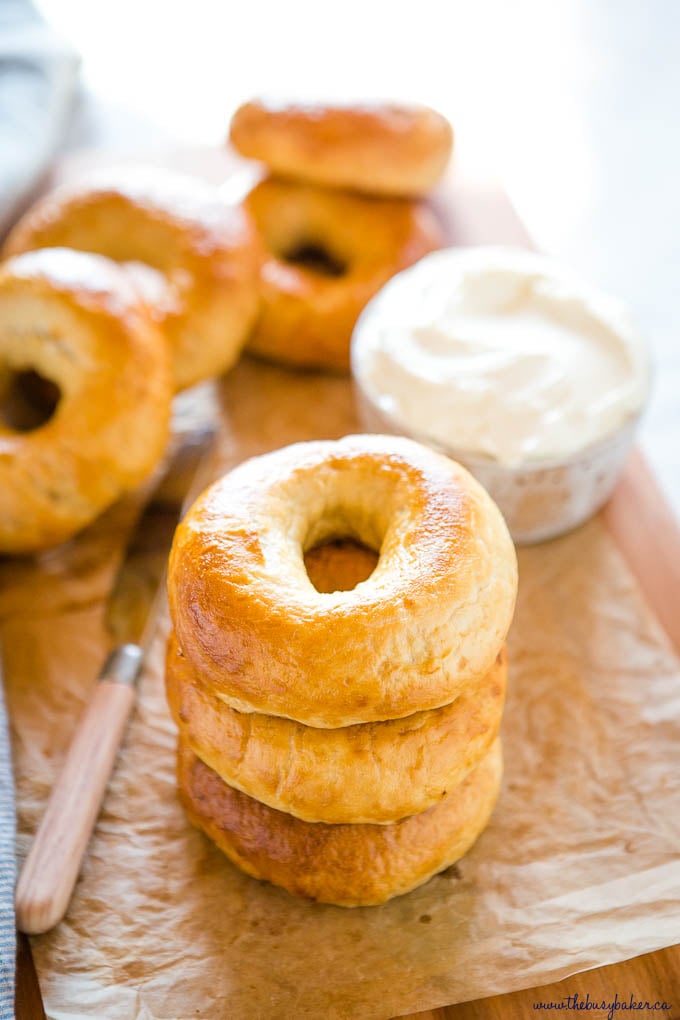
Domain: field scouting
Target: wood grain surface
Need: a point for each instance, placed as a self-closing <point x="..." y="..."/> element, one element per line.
<point x="654" y="978"/>
<point x="644" y="528"/>
<point x="28" y="1001"/>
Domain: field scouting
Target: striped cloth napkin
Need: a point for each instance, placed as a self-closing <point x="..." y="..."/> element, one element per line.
<point x="7" y="868"/>
<point x="38" y="80"/>
<point x="38" y="77"/>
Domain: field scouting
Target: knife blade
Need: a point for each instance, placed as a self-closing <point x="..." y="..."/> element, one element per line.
<point x="138" y="590"/>
<point x="50" y="871"/>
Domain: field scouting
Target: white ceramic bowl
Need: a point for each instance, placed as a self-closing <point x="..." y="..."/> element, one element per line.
<point x="538" y="501"/>
<point x="542" y="495"/>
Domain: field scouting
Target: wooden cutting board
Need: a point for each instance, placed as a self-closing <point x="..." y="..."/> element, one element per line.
<point x="641" y="522"/>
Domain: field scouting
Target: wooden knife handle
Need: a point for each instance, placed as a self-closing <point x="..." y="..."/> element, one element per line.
<point x="51" y="868"/>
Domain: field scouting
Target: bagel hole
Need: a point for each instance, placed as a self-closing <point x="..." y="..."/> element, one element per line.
<point x="316" y="257"/>
<point x="28" y="400"/>
<point x="339" y="565"/>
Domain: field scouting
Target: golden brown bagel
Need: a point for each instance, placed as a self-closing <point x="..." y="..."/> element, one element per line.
<point x="207" y="252"/>
<point x="349" y="865"/>
<point x="430" y="618"/>
<point x="371" y="772"/>
<point x="378" y="148"/>
<point x="85" y="394"/>
<point x="328" y="253"/>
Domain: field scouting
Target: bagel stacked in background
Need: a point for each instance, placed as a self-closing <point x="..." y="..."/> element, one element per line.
<point x="339" y="216"/>
<point x="117" y="292"/>
<point x="340" y="739"/>
<point x="194" y="257"/>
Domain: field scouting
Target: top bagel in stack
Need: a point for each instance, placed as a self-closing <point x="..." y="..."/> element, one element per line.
<point x="429" y="621"/>
<point x="390" y="149"/>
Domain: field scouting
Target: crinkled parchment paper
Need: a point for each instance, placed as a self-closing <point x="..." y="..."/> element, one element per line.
<point x="579" y="866"/>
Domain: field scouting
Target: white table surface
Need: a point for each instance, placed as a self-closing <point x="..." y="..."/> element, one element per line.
<point x="575" y="104"/>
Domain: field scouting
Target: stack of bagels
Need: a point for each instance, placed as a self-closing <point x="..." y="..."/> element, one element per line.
<point x="115" y="294"/>
<point x="341" y="213"/>
<point x="342" y="744"/>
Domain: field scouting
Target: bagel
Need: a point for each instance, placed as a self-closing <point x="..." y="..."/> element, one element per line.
<point x="327" y="254"/>
<point x="206" y="251"/>
<point x="378" y="148"/>
<point x="430" y="619"/>
<point x="371" y="772"/>
<point x="349" y="865"/>
<point x="85" y="393"/>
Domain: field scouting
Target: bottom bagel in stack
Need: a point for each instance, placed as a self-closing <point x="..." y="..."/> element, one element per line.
<point x="349" y="865"/>
<point x="377" y="788"/>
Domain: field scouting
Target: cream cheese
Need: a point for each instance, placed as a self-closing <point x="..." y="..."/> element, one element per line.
<point x="500" y="353"/>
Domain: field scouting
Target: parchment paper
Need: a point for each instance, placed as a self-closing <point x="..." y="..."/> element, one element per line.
<point x="579" y="866"/>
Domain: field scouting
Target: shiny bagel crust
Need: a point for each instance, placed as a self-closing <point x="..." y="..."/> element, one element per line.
<point x="206" y="252"/>
<point x="306" y="316"/>
<point x="389" y="149"/>
<point x="431" y="618"/>
<point x="371" y="772"/>
<point x="77" y="321"/>
<point x="349" y="865"/>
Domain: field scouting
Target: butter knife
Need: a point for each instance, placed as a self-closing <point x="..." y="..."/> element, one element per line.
<point x="51" y="868"/>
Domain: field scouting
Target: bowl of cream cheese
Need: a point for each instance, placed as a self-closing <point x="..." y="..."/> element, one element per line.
<point x="510" y="364"/>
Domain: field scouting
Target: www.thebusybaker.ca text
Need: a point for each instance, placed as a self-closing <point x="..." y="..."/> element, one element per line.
<point x="610" y="1007"/>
